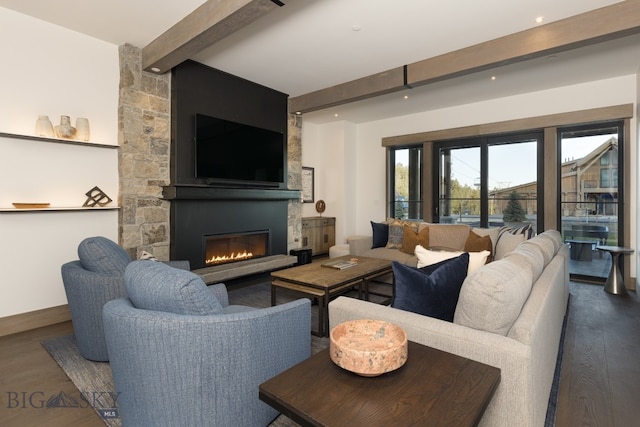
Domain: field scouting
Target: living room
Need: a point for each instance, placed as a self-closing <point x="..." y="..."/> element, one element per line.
<point x="56" y="71"/>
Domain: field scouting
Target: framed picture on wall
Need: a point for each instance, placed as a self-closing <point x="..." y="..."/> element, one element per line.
<point x="307" y="185"/>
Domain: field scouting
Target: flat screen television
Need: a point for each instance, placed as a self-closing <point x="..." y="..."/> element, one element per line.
<point x="238" y="154"/>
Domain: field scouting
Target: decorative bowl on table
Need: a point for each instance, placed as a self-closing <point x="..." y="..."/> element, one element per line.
<point x="368" y="347"/>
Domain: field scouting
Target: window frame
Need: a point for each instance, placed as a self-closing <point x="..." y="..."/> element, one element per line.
<point x="484" y="143"/>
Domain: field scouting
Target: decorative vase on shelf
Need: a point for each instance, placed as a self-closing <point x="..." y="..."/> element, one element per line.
<point x="44" y="127"/>
<point x="64" y="130"/>
<point x="82" y="129"/>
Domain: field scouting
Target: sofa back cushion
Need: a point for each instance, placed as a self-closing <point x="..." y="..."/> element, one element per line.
<point x="530" y="256"/>
<point x="448" y="236"/>
<point x="491" y="298"/>
<point x="547" y="245"/>
<point x="156" y="286"/>
<point x="101" y="255"/>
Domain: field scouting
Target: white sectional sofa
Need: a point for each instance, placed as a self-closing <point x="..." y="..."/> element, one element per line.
<point x="509" y="315"/>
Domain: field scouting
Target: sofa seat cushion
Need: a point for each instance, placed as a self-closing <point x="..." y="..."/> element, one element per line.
<point x="159" y="287"/>
<point x="431" y="291"/>
<point x="491" y="298"/>
<point x="428" y="257"/>
<point x="391" y="255"/>
<point x="101" y="255"/>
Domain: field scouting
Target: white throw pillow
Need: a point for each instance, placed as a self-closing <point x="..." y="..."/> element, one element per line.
<point x="428" y="257"/>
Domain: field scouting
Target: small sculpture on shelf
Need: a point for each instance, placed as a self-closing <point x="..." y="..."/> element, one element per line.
<point x="96" y="197"/>
<point x="82" y="129"/>
<point x="64" y="130"/>
<point x="44" y="127"/>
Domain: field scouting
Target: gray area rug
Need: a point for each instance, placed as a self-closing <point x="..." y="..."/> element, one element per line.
<point x="94" y="380"/>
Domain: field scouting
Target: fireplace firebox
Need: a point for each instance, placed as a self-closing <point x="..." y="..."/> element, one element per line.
<point x="231" y="247"/>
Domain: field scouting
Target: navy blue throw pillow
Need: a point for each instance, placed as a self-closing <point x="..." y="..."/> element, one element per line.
<point x="380" y="234"/>
<point x="432" y="290"/>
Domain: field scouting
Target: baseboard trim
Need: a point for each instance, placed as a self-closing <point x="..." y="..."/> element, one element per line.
<point x="34" y="319"/>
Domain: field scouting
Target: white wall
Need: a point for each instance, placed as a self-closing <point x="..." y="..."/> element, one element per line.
<point x="332" y="157"/>
<point x="366" y="177"/>
<point x="49" y="70"/>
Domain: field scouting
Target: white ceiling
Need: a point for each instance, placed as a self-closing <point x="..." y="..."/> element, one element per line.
<point x="308" y="45"/>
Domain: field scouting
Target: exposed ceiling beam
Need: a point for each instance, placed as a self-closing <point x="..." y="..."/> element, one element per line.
<point x="208" y="24"/>
<point x="366" y="87"/>
<point x="607" y="23"/>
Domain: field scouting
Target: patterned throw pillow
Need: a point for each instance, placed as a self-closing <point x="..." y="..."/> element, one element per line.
<point x="396" y="232"/>
<point x="146" y="256"/>
<point x="509" y="238"/>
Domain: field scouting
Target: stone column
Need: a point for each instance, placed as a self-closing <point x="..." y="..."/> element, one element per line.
<point x="144" y="113"/>
<point x="294" y="180"/>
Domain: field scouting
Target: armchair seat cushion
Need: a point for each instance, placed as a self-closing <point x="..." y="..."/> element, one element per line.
<point x="156" y="286"/>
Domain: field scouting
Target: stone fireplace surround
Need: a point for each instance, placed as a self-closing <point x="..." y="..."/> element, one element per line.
<point x="169" y="219"/>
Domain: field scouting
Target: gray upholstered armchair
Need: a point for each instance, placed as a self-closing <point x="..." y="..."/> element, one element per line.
<point x="97" y="277"/>
<point x="181" y="355"/>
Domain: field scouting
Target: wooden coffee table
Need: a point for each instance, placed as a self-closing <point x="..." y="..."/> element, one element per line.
<point x="322" y="283"/>
<point x="433" y="388"/>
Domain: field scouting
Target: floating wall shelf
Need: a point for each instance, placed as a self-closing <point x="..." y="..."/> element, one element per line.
<point x="56" y="140"/>
<point x="60" y="209"/>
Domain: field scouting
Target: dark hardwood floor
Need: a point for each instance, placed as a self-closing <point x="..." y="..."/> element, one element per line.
<point x="600" y="381"/>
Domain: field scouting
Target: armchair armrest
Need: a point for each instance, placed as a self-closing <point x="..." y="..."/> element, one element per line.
<point x="181" y="264"/>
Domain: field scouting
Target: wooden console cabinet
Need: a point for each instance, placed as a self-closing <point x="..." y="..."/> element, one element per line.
<point x="319" y="234"/>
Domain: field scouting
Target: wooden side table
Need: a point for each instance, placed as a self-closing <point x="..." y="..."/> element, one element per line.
<point x="433" y="388"/>
<point x="615" y="281"/>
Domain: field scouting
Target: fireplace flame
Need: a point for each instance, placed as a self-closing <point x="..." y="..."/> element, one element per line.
<point x="216" y="259"/>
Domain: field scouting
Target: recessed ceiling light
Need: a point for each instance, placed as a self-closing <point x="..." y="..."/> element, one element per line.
<point x="406" y="97"/>
<point x="539" y="19"/>
<point x="493" y="77"/>
<point x="335" y="115"/>
<point x="356" y="27"/>
<point x="155" y="69"/>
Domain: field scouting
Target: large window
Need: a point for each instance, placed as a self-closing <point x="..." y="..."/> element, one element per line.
<point x="405" y="183"/>
<point x="591" y="195"/>
<point x="489" y="181"/>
